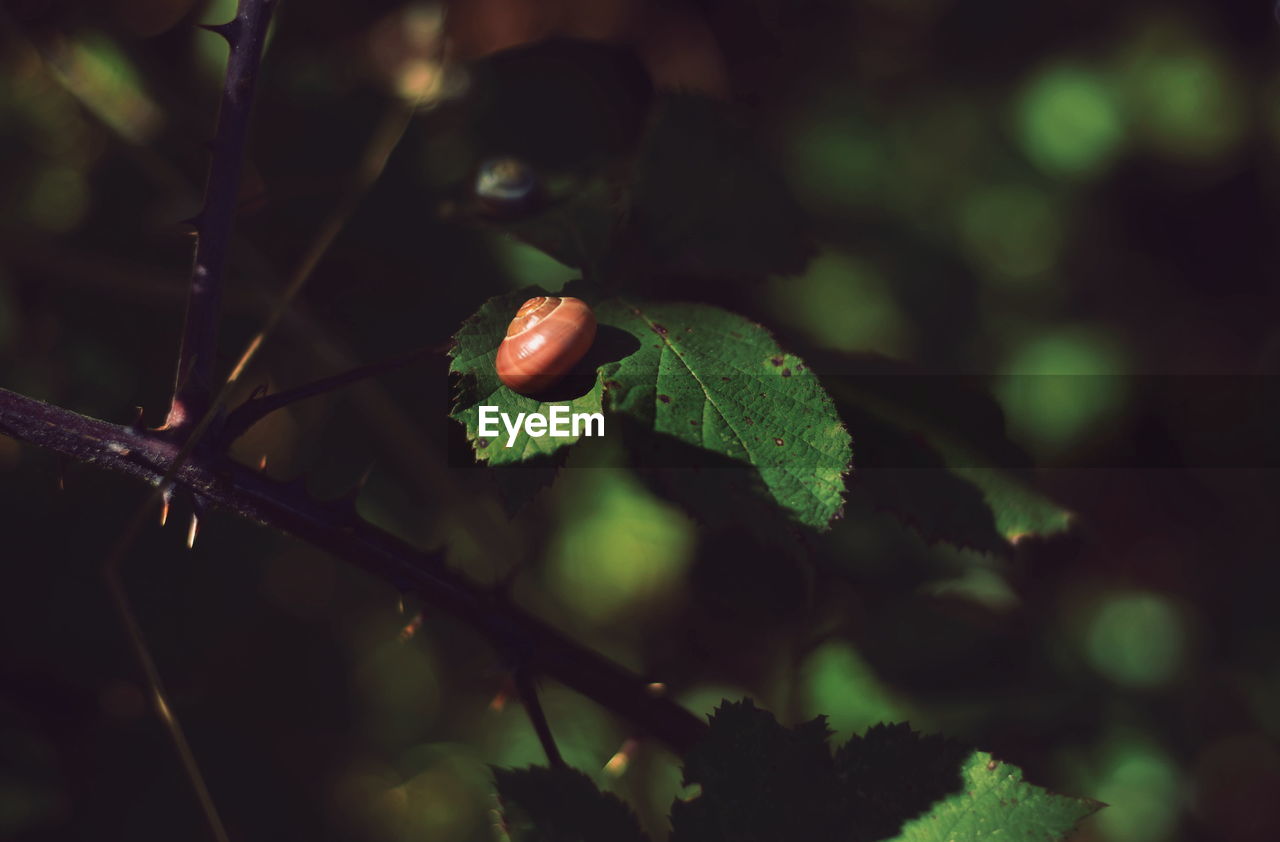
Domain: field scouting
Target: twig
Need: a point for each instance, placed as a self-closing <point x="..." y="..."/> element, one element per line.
<point x="160" y="698"/>
<point x="240" y="419"/>
<point x="529" y="698"/>
<point x="197" y="355"/>
<point x="337" y="529"/>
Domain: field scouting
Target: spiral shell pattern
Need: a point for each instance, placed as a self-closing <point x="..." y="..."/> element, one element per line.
<point x="548" y="336"/>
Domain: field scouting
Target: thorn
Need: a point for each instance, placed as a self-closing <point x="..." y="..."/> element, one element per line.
<point x="62" y="482"/>
<point x="622" y="758"/>
<point x="192" y="530"/>
<point x="162" y="706"/>
<point x="262" y="463"/>
<point x="137" y="419"/>
<point x="400" y="603"/>
<point x="165" y="498"/>
<point x="345" y="504"/>
<point x="507" y="690"/>
<point x="229" y="30"/>
<point x="407" y="633"/>
<point x="656" y="689"/>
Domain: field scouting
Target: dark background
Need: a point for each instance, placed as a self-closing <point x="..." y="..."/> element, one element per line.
<point x="1075" y="201"/>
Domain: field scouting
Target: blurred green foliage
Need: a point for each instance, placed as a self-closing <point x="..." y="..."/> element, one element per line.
<point x="1058" y="200"/>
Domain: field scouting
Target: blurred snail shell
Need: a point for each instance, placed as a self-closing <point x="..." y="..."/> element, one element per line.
<point x="548" y="336"/>
<point x="506" y="185"/>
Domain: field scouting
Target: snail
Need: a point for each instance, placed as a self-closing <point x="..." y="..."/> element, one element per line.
<point x="546" y="338"/>
<point x="506" y="186"/>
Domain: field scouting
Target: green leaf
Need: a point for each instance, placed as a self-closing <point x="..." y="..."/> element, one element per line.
<point x="719" y="382"/>
<point x="931" y="442"/>
<point x="891" y="773"/>
<point x="997" y="804"/>
<point x="899" y="472"/>
<point x="761" y="782"/>
<point x="691" y="373"/>
<point x="561" y="805"/>
<point x="1021" y="511"/>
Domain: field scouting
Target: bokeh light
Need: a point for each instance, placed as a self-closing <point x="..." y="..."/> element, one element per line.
<point x="57" y="199"/>
<point x="1183" y="97"/>
<point x="526" y="266"/>
<point x="1062" y="385"/>
<point x="839" y="683"/>
<point x="1137" y="639"/>
<point x="845" y="304"/>
<point x="1142" y="789"/>
<point x="618" y="546"/>
<point x="103" y="78"/>
<point x="1069" y="122"/>
<point x="1012" y="232"/>
<point x="835" y="158"/>
<point x="399" y="690"/>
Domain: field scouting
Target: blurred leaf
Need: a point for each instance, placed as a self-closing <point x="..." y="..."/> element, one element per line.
<point x="694" y="373"/>
<point x="838" y="680"/>
<point x="561" y="805"/>
<point x="932" y="441"/>
<point x="577" y="229"/>
<point x="899" y="472"/>
<point x="707" y="202"/>
<point x="616" y="546"/>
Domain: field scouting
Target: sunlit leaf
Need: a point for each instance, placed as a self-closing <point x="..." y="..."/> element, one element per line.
<point x="996" y="803"/>
<point x="691" y="373"/>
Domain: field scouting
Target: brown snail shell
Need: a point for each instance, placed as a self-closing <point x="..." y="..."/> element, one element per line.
<point x="546" y="338"/>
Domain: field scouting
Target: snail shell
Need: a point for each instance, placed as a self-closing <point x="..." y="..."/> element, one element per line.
<point x="506" y="185"/>
<point x="546" y="338"/>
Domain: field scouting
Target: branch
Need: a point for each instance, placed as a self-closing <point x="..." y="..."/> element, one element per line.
<point x="335" y="527"/>
<point x="244" y="416"/>
<point x="197" y="355"/>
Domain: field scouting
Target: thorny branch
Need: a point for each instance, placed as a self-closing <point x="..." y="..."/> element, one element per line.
<point x="170" y="456"/>
<point x="195" y="385"/>
<point x="334" y="526"/>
